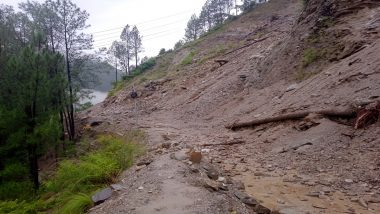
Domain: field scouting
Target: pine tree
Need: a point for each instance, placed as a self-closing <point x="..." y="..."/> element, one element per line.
<point x="136" y="43"/>
<point x="193" y="29"/>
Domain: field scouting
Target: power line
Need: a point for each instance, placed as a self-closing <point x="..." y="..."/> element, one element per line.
<point x="163" y="35"/>
<point x="148" y="29"/>
<point x="152" y="20"/>
<point x="144" y="36"/>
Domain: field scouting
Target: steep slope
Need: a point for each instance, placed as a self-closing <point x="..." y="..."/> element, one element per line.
<point x="283" y="57"/>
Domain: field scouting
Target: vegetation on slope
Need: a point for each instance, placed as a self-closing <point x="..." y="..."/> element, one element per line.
<point x="76" y="179"/>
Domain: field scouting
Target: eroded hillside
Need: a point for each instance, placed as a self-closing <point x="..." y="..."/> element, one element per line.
<point x="284" y="57"/>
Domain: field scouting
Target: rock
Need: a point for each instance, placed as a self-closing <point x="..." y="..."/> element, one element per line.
<point x="180" y="156"/>
<point x="166" y="145"/>
<point x="261" y="174"/>
<point x="223" y="187"/>
<point x="351" y="210"/>
<point x="222" y="179"/>
<point x="140" y="188"/>
<point x="354" y="199"/>
<point x="319" y="206"/>
<point x="145" y="161"/>
<point x="95" y="123"/>
<point x="246" y="199"/>
<point x="195" y="157"/>
<point x="291" y="87"/>
<point x="313" y="194"/>
<point x="211" y="185"/>
<point x="349" y="181"/>
<point x="138" y="168"/>
<point x="262" y="210"/>
<point x="363" y="203"/>
<point x="280" y="201"/>
<point x="102" y="196"/>
<point x="117" y="187"/>
<point x="205" y="151"/>
<point x="194" y="169"/>
<point x="212" y="173"/>
<point x="239" y="185"/>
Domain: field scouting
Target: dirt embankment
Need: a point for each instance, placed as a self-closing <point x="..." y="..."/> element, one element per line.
<point x="282" y="58"/>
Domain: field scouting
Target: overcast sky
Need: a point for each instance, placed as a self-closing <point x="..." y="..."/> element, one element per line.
<point x="161" y="22"/>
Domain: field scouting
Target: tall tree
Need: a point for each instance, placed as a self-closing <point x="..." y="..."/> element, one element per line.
<point x="114" y="53"/>
<point x="27" y="83"/>
<point x="136" y="43"/>
<point x="126" y="48"/>
<point x="193" y="29"/>
<point x="72" y="22"/>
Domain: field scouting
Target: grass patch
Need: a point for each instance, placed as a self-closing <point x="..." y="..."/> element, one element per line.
<point x="120" y="85"/>
<point x="302" y="75"/>
<point x="310" y="55"/>
<point x="188" y="59"/>
<point x="217" y="51"/>
<point x="70" y="189"/>
<point x="77" y="204"/>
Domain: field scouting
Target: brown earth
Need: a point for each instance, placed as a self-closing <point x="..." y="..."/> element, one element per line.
<point x="311" y="165"/>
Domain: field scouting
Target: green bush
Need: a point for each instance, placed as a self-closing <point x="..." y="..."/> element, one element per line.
<point x="145" y="66"/>
<point x="150" y="63"/>
<point x="75" y="180"/>
<point x="14" y="171"/>
<point x="12" y="190"/>
<point x="120" y="85"/>
<point x="310" y="55"/>
<point x="188" y="59"/>
<point x="77" y="204"/>
<point x="19" y="207"/>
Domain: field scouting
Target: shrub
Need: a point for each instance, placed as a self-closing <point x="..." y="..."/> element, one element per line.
<point x="310" y="55"/>
<point x="12" y="190"/>
<point x="77" y="204"/>
<point x="162" y="51"/>
<point x="19" y="207"/>
<point x="188" y="59"/>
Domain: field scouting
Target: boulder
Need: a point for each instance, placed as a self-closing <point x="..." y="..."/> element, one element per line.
<point x="195" y="157"/>
<point x="102" y="196"/>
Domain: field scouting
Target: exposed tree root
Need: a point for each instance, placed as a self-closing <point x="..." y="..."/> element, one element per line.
<point x="348" y="113"/>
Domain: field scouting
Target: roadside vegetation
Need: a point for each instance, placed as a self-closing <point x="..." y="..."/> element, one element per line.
<point x="70" y="189"/>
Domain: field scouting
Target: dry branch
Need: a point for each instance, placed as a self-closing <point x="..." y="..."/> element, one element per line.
<point x="349" y="113"/>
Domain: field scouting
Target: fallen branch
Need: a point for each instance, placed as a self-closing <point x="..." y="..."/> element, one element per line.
<point x="230" y="143"/>
<point x="349" y="113"/>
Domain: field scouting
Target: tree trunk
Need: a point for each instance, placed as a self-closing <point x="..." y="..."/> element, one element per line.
<point x="33" y="165"/>
<point x="116" y="71"/>
<point x="349" y="113"/>
<point x="136" y="56"/>
<point x="71" y="99"/>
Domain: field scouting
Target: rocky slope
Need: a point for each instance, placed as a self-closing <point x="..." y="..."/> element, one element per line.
<point x="283" y="57"/>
